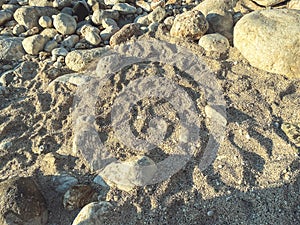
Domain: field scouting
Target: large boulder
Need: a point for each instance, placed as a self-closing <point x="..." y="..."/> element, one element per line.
<point x="11" y="48"/>
<point x="270" y="40"/>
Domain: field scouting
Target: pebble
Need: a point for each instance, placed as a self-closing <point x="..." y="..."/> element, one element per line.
<point x="78" y="196"/>
<point x="39" y="3"/>
<point x="99" y="15"/>
<point x="63" y="182"/>
<point x="62" y="3"/>
<point x="7" y="77"/>
<point x="191" y="24"/>
<point x="99" y="180"/>
<point x="124" y="8"/>
<point x="169" y="20"/>
<point x="18" y="29"/>
<point x="144" y="5"/>
<point x="143" y="19"/>
<point x="49" y="33"/>
<point x="59" y="52"/>
<point x="34" y="44"/>
<point x="64" y="23"/>
<point x="67" y="10"/>
<point x="157" y="15"/>
<point x="91" y="34"/>
<point x="81" y="10"/>
<point x="108" y="32"/>
<point x="214" y="42"/>
<point x="50" y="45"/>
<point x="45" y="22"/>
<point x="5" y="16"/>
<point x="113" y="2"/>
<point x="11" y="48"/>
<point x="93" y="213"/>
<point x="70" y="41"/>
<point x="22" y="202"/>
<point x="156" y="3"/>
<point x="210" y="213"/>
<point x="153" y="26"/>
<point x="125" y="34"/>
<point x="109" y="22"/>
<point x="30" y="32"/>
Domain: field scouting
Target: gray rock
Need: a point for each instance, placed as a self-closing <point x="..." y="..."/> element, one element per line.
<point x="35" y="12"/>
<point x="99" y="180"/>
<point x="268" y="2"/>
<point x="62" y="3"/>
<point x="5" y="16"/>
<point x="113" y="2"/>
<point x="63" y="182"/>
<point x="153" y="26"/>
<point x="99" y="15"/>
<point x="214" y="42"/>
<point x="70" y="41"/>
<point x="50" y="45"/>
<point x="59" y="52"/>
<point x="109" y="22"/>
<point x="7" y="77"/>
<point x="34" y="44"/>
<point x="142" y="19"/>
<point x="108" y="32"/>
<point x="27" y="70"/>
<point x="21" y="202"/>
<point x="91" y="34"/>
<point x="125" y="34"/>
<point x="93" y="214"/>
<point x="45" y="22"/>
<point x="40" y="3"/>
<point x="49" y="33"/>
<point x="190" y="24"/>
<point x="18" y="29"/>
<point x="78" y="60"/>
<point x="124" y="8"/>
<point x="67" y="10"/>
<point x="64" y="23"/>
<point x="208" y="6"/>
<point x="157" y="15"/>
<point x="269" y="40"/>
<point x="81" y="10"/>
<point x="10" y="7"/>
<point x="11" y="48"/>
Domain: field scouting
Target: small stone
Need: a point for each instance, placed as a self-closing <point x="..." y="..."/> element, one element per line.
<point x="125" y="34"/>
<point x="99" y="15"/>
<point x="191" y="24"/>
<point x="22" y="202"/>
<point x="214" y="42"/>
<point x="108" y="32"/>
<point x="45" y="22"/>
<point x="268" y="2"/>
<point x="35" y="12"/>
<point x="11" y="48"/>
<point x="30" y="32"/>
<point x="62" y="3"/>
<point x="144" y="5"/>
<point x="7" y="77"/>
<point x="153" y="26"/>
<point x="93" y="214"/>
<point x="78" y="196"/>
<point x="156" y="3"/>
<point x="5" y="16"/>
<point x="108" y="22"/>
<point x="169" y="20"/>
<point x="40" y="3"/>
<point x="67" y="10"/>
<point x="124" y="8"/>
<point x="81" y="10"/>
<point x="63" y="182"/>
<point x="59" y="52"/>
<point x="91" y="34"/>
<point x="99" y="180"/>
<point x="143" y="19"/>
<point x="157" y="15"/>
<point x="49" y="33"/>
<point x="10" y="7"/>
<point x="50" y="45"/>
<point x="210" y="213"/>
<point x="34" y="44"/>
<point x="64" y="23"/>
<point x="18" y="29"/>
<point x="58" y="38"/>
<point x="70" y="41"/>
<point x="112" y="2"/>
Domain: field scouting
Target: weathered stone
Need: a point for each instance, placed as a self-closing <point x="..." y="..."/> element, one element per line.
<point x="62" y="3"/>
<point x="125" y="34"/>
<point x="268" y="2"/>
<point x="214" y="42"/>
<point x="70" y="41"/>
<point x="5" y="16"/>
<point x="294" y="4"/>
<point x="81" y="10"/>
<point x="49" y="33"/>
<point x="93" y="214"/>
<point x="191" y="24"/>
<point x="157" y="15"/>
<point x="35" y="12"/>
<point x="59" y="52"/>
<point x="34" y="44"/>
<point x="99" y="15"/>
<point x="269" y="40"/>
<point x="64" y="181"/>
<point x="108" y="32"/>
<point x="21" y="202"/>
<point x="50" y="45"/>
<point x="11" y="48"/>
<point x="40" y="3"/>
<point x="144" y="5"/>
<point x="64" y="23"/>
<point x="113" y="2"/>
<point x="78" y="60"/>
<point x="91" y="34"/>
<point x="45" y="22"/>
<point x="124" y="8"/>
<point x="18" y="29"/>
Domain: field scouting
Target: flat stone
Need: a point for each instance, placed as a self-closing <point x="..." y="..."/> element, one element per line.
<point x="21" y="202"/>
<point x="191" y="24"/>
<point x="64" y="23"/>
<point x="269" y="40"/>
<point x="59" y="52"/>
<point x="11" y="48"/>
<point x="35" y="12"/>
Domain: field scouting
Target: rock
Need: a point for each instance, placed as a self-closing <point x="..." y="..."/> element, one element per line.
<point x="45" y="22"/>
<point x="11" y="48"/>
<point x="63" y="182"/>
<point x="153" y="26"/>
<point x="40" y="3"/>
<point x="124" y="8"/>
<point x="21" y="202"/>
<point x="70" y="41"/>
<point x="157" y="15"/>
<point x="125" y="34"/>
<point x="5" y="16"/>
<point x="34" y="44"/>
<point x="91" y="34"/>
<point x="99" y="15"/>
<point x="269" y="40"/>
<point x="27" y="70"/>
<point x="62" y="3"/>
<point x="67" y="10"/>
<point x="292" y="131"/>
<point x="73" y="78"/>
<point x="10" y="7"/>
<point x="191" y="24"/>
<point x="50" y="45"/>
<point x="78" y="60"/>
<point x="30" y="32"/>
<point x="59" y="52"/>
<point x="81" y="10"/>
<point x="208" y="6"/>
<point x="18" y="29"/>
<point x="108" y="22"/>
<point x="214" y="42"/>
<point x="99" y="180"/>
<point x="157" y="3"/>
<point x="108" y="32"/>
<point x="78" y="196"/>
<point x="93" y="214"/>
<point x="7" y="77"/>
<point x="294" y="4"/>
<point x="268" y="2"/>
<point x="169" y="20"/>
<point x="64" y="23"/>
<point x="143" y="19"/>
<point x="128" y="174"/>
<point x="49" y="33"/>
<point x="35" y="12"/>
<point x="113" y="2"/>
<point x="144" y="5"/>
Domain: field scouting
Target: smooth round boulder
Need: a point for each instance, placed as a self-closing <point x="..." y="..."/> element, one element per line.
<point x="64" y="23"/>
<point x="269" y="40"/>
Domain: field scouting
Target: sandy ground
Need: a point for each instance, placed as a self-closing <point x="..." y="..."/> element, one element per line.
<point x="254" y="179"/>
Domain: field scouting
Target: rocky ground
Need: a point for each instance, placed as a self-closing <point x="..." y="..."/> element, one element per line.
<point x="48" y="49"/>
